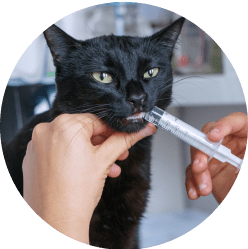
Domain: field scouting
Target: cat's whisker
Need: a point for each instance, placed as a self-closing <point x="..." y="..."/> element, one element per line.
<point x="179" y="83"/>
<point x="176" y="83"/>
<point x="78" y="132"/>
<point x="91" y="110"/>
<point x="163" y="88"/>
<point x="86" y="109"/>
<point x="68" y="121"/>
<point x="180" y="97"/>
<point x="97" y="117"/>
<point x="109" y="118"/>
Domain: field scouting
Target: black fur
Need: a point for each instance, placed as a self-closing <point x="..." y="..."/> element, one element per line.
<point x="115" y="221"/>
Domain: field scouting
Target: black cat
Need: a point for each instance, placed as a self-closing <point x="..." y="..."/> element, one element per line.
<point x="114" y="78"/>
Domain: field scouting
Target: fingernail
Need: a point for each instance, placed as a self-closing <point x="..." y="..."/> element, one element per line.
<point x="148" y="131"/>
<point x="202" y="186"/>
<point x="215" y="130"/>
<point x="192" y="193"/>
<point x="196" y="161"/>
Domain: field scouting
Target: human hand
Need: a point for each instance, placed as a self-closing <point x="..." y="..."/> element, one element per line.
<point x="202" y="177"/>
<point x="65" y="167"/>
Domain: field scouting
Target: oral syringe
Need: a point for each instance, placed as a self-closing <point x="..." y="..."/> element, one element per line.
<point x="192" y="136"/>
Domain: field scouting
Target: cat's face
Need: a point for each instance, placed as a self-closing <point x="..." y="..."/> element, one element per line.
<point x="115" y="78"/>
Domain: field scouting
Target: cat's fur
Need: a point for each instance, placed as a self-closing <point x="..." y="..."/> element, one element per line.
<point x="115" y="221"/>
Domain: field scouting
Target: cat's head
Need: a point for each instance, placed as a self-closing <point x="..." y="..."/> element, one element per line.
<point x="113" y="77"/>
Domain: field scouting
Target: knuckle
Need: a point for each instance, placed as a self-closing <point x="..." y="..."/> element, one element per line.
<point x="129" y="141"/>
<point x="206" y="128"/>
<point x="60" y="120"/>
<point x="65" y="126"/>
<point x="38" y="131"/>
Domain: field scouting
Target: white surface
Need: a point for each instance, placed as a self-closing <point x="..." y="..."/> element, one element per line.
<point x="158" y="229"/>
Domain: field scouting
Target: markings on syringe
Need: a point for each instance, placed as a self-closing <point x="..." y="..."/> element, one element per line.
<point x="165" y="125"/>
<point x="177" y="128"/>
<point x="151" y="119"/>
<point x="191" y="139"/>
<point x="181" y="134"/>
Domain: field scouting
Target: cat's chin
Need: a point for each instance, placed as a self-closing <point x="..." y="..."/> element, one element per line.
<point x="130" y="127"/>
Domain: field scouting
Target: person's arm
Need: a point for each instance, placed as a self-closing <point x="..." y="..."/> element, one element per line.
<point x="202" y="177"/>
<point x="65" y="167"/>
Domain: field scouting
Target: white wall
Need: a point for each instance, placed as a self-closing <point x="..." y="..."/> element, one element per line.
<point x="167" y="187"/>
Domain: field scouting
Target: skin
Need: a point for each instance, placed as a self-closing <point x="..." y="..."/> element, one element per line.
<point x="65" y="168"/>
<point x="202" y="177"/>
<point x="66" y="198"/>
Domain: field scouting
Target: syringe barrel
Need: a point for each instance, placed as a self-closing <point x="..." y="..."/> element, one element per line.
<point x="183" y="131"/>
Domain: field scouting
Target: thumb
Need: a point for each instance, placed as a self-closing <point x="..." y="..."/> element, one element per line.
<point x="119" y="142"/>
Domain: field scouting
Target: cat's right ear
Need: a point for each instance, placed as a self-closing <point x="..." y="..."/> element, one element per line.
<point x="168" y="36"/>
<point x="59" y="43"/>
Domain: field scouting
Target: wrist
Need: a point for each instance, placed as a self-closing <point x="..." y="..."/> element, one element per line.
<point x="73" y="226"/>
<point x="68" y="216"/>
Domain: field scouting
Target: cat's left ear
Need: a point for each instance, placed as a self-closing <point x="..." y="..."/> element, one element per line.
<point x="168" y="36"/>
<point x="59" y="42"/>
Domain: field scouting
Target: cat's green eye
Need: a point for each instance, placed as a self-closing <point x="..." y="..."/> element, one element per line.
<point x="151" y="73"/>
<point x="102" y="77"/>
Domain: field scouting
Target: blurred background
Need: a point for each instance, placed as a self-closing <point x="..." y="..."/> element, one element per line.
<point x="206" y="88"/>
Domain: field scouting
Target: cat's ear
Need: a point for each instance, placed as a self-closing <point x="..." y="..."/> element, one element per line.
<point x="168" y="36"/>
<point x="59" y="43"/>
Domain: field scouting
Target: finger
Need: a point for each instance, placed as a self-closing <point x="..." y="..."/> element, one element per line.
<point x="235" y="123"/>
<point x="98" y="127"/>
<point x="118" y="143"/>
<point x="96" y="140"/>
<point x="207" y="127"/>
<point x="39" y="131"/>
<point x="199" y="161"/>
<point x="190" y="187"/>
<point x="88" y="123"/>
<point x="201" y="173"/>
<point x="203" y="183"/>
<point x="114" y="171"/>
<point x="123" y="156"/>
<point x="226" y="179"/>
<point x="191" y="191"/>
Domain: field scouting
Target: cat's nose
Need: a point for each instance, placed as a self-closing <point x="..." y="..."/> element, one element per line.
<point x="137" y="100"/>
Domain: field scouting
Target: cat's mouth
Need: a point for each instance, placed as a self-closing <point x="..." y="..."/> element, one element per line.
<point x="134" y="119"/>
